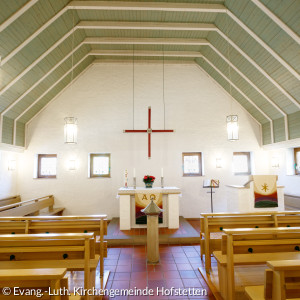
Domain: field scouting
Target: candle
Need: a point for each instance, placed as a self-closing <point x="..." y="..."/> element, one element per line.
<point x="162" y="172"/>
<point x="126" y="176"/>
<point x="134" y="172"/>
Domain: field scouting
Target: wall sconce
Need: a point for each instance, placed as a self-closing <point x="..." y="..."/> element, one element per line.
<point x="70" y="130"/>
<point x="232" y="128"/>
<point x="12" y="165"/>
<point x="275" y="162"/>
<point x="219" y="163"/>
<point x="72" y="164"/>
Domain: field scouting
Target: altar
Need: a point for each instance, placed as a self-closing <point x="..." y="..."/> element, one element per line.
<point x="170" y="205"/>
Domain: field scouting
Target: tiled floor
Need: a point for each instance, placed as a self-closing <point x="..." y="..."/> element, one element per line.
<point x="178" y="268"/>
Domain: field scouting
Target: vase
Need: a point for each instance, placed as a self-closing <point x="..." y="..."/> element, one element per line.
<point x="149" y="185"/>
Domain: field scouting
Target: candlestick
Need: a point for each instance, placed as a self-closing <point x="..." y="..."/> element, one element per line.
<point x="162" y="182"/>
<point x="162" y="172"/>
<point x="126" y="179"/>
<point x="134" y="173"/>
<point x="134" y="182"/>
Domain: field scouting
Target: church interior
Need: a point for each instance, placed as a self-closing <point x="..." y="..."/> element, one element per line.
<point x="150" y="149"/>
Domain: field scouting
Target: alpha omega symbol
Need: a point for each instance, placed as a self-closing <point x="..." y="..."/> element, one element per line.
<point x="152" y="196"/>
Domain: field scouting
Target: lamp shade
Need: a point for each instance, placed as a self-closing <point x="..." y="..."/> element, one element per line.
<point x="232" y="127"/>
<point x="70" y="130"/>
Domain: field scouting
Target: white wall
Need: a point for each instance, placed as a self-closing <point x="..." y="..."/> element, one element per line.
<point x="285" y="171"/>
<point x="102" y="99"/>
<point x="8" y="178"/>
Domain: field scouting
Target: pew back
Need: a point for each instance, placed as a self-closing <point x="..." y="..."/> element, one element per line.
<point x="9" y="200"/>
<point x="213" y="224"/>
<point x="282" y="281"/>
<point x="266" y="243"/>
<point x="29" y="207"/>
<point x="96" y="224"/>
<point x="74" y="251"/>
<point x="33" y="283"/>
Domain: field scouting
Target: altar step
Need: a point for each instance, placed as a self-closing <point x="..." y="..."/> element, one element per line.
<point x="185" y="234"/>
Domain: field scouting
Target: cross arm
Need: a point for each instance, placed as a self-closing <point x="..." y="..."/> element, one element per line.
<point x="134" y="131"/>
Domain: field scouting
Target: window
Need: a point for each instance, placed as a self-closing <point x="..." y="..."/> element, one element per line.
<point x="99" y="165"/>
<point x="297" y="160"/>
<point x="241" y="163"/>
<point x="46" y="166"/>
<point x="192" y="164"/>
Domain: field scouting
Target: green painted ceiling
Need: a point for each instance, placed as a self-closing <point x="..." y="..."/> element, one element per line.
<point x="254" y="44"/>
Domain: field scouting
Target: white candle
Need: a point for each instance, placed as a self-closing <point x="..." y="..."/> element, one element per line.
<point x="134" y="172"/>
<point x="126" y="176"/>
<point x="162" y="172"/>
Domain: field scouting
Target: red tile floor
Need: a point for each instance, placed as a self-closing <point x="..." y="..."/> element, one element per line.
<point x="178" y="268"/>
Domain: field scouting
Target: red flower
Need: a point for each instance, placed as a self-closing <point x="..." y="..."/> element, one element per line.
<point x="148" y="178"/>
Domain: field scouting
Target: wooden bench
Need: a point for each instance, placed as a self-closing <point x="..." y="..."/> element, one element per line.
<point x="212" y="226"/>
<point x="31" y="207"/>
<point x="33" y="283"/>
<point x="10" y="200"/>
<point x="282" y="281"/>
<point x="74" y="251"/>
<point x="253" y="247"/>
<point x="60" y="224"/>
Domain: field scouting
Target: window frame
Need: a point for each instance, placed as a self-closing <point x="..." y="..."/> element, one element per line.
<point x="199" y="154"/>
<point x="91" y="157"/>
<point x="39" y="165"/>
<point x="296" y="150"/>
<point x="248" y="154"/>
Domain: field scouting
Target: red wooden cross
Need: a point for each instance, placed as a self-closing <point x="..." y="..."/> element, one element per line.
<point x="149" y="131"/>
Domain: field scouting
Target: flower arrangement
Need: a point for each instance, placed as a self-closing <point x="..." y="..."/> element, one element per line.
<point x="148" y="179"/>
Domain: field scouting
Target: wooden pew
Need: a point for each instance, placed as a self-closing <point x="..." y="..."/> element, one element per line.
<point x="74" y="251"/>
<point x="212" y="226"/>
<point x="282" y="281"/>
<point x="10" y="200"/>
<point x="33" y="283"/>
<point x="31" y="207"/>
<point x="96" y="224"/>
<point x="253" y="247"/>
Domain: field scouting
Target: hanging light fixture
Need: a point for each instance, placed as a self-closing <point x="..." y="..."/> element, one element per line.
<point x="231" y="120"/>
<point x="70" y="128"/>
<point x="232" y="128"/>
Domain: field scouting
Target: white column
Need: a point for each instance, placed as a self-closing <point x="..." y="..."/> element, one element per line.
<point x="173" y="211"/>
<point x="125" y="212"/>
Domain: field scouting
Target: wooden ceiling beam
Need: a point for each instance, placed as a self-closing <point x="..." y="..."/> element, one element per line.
<point x="148" y="6"/>
<point x="222" y="88"/>
<point x="17" y="14"/>
<point x="52" y="86"/>
<point x="278" y="21"/>
<point x="145" y="41"/>
<point x="146" y="26"/>
<point x="33" y="36"/>
<point x="255" y="87"/>
<point x="137" y="53"/>
<point x="152" y="61"/>
<point x="264" y="44"/>
<point x="242" y="93"/>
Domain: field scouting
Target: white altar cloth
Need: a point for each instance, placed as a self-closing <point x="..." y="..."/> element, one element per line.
<point x="170" y="206"/>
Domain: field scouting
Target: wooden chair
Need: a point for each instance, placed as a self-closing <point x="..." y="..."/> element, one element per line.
<point x="282" y="281"/>
<point x="212" y="226"/>
<point x="253" y="247"/>
<point x="96" y="224"/>
<point x="33" y="283"/>
<point x="74" y="251"/>
<point x="31" y="207"/>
